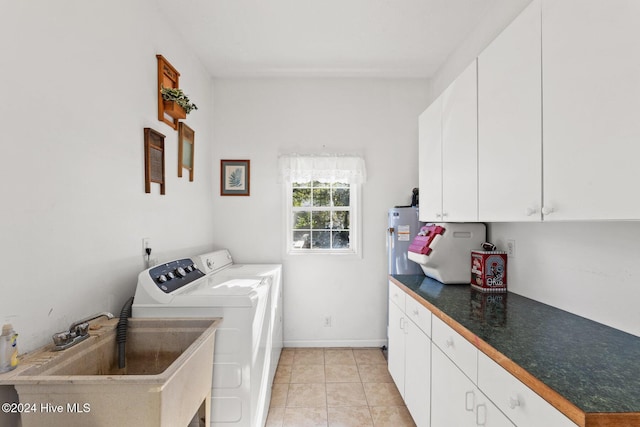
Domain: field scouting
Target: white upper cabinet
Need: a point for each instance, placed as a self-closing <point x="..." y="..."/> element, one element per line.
<point x="430" y="162"/>
<point x="448" y="153"/>
<point x="591" y="109"/>
<point x="460" y="148"/>
<point x="510" y="123"/>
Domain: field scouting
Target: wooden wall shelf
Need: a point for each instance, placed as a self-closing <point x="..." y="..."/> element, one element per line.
<point x="168" y="77"/>
<point x="174" y="110"/>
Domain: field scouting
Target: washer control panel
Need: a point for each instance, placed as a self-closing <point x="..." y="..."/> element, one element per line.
<point x="175" y="274"/>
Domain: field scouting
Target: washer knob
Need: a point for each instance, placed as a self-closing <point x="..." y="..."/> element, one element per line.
<point x="162" y="278"/>
<point x="181" y="272"/>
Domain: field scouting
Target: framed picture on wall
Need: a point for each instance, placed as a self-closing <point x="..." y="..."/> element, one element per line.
<point x="234" y="177"/>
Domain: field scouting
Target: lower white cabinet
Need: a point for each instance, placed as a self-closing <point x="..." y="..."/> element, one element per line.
<point x="524" y="407"/>
<point x="417" y="384"/>
<point x="409" y="357"/>
<point x="456" y="401"/>
<point x="396" y="354"/>
<point x="454" y="345"/>
<point x="446" y="381"/>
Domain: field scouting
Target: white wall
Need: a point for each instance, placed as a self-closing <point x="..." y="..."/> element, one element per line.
<point x="79" y="85"/>
<point x="586" y="268"/>
<point x="258" y="119"/>
<point x="589" y="269"/>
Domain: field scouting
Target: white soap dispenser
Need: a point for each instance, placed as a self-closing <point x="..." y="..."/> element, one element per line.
<point x="8" y="348"/>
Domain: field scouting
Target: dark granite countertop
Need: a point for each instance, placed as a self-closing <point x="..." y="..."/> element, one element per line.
<point x="595" y="367"/>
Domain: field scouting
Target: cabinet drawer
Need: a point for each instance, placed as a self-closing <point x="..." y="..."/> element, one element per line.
<point x="419" y="314"/>
<point x="397" y="295"/>
<point x="521" y="404"/>
<point x="454" y="345"/>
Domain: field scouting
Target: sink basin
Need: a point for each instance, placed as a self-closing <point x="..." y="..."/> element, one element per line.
<point x="166" y="381"/>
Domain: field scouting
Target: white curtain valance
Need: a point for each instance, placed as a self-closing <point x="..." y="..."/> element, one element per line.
<point x="323" y="168"/>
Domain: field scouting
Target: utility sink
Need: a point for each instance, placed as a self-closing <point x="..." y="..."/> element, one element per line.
<point x="167" y="378"/>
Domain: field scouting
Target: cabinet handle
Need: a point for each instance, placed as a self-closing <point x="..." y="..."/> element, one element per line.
<point x="438" y="215"/>
<point x="514" y="402"/>
<point x="444" y="214"/>
<point x="531" y="211"/>
<point x="402" y="323"/>
<point x="416" y="312"/>
<point x="547" y="210"/>
<point x="449" y="342"/>
<point x="469" y="407"/>
<point x="484" y="414"/>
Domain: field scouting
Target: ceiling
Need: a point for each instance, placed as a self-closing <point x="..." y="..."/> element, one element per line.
<point x="355" y="38"/>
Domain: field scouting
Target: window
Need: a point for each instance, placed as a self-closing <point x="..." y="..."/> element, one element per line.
<point x="322" y="203"/>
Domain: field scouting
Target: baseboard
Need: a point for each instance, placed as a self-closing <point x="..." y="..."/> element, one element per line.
<point x="340" y="343"/>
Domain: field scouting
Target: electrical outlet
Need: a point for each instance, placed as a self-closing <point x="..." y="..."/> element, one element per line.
<point x="146" y="243"/>
<point x="327" y="321"/>
<point x="511" y="248"/>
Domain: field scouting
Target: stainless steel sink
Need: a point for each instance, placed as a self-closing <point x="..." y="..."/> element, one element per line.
<point x="167" y="378"/>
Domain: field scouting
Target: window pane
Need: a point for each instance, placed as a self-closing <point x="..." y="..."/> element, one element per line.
<point x="341" y="184"/>
<point x="341" y="197"/>
<point x="321" y="197"/>
<point x="340" y="220"/>
<point x="302" y="220"/>
<point x="340" y="239"/>
<point x="319" y="184"/>
<point x="301" y="240"/>
<point x="321" y="240"/>
<point x="301" y="184"/>
<point x="301" y="197"/>
<point x="320" y="219"/>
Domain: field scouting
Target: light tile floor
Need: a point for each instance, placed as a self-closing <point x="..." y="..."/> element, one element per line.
<point x="335" y="387"/>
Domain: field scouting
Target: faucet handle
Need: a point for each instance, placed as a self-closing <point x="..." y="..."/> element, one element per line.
<point x="62" y="338"/>
<point x="81" y="329"/>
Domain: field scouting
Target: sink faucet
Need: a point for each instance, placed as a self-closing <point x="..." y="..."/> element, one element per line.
<point x="78" y="331"/>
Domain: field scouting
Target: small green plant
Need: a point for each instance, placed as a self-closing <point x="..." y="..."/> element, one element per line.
<point x="178" y="96"/>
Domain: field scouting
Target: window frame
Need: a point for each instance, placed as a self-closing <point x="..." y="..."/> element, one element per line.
<point x="355" y="223"/>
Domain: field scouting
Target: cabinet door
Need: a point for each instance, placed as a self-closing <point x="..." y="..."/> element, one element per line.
<point x="396" y="353"/>
<point x="591" y="100"/>
<point x="417" y="388"/>
<point x="430" y="162"/>
<point x="456" y="347"/>
<point x="460" y="148"/>
<point x="453" y="398"/>
<point x="510" y="122"/>
<point x="456" y="401"/>
<point x="488" y="415"/>
<point x="521" y="404"/>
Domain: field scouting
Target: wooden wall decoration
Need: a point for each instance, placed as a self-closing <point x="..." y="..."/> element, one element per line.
<point x="186" y="138"/>
<point x="168" y="112"/>
<point x="153" y="160"/>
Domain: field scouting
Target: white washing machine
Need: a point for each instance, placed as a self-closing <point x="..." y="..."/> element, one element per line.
<point x="248" y="343"/>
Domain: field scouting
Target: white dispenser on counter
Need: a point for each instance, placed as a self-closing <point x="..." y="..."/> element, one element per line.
<point x="443" y="250"/>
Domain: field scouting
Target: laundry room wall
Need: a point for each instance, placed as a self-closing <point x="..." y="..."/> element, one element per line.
<point x="258" y="119"/>
<point x="79" y="86"/>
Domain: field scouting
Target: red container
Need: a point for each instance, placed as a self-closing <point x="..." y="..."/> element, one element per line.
<point x="489" y="271"/>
